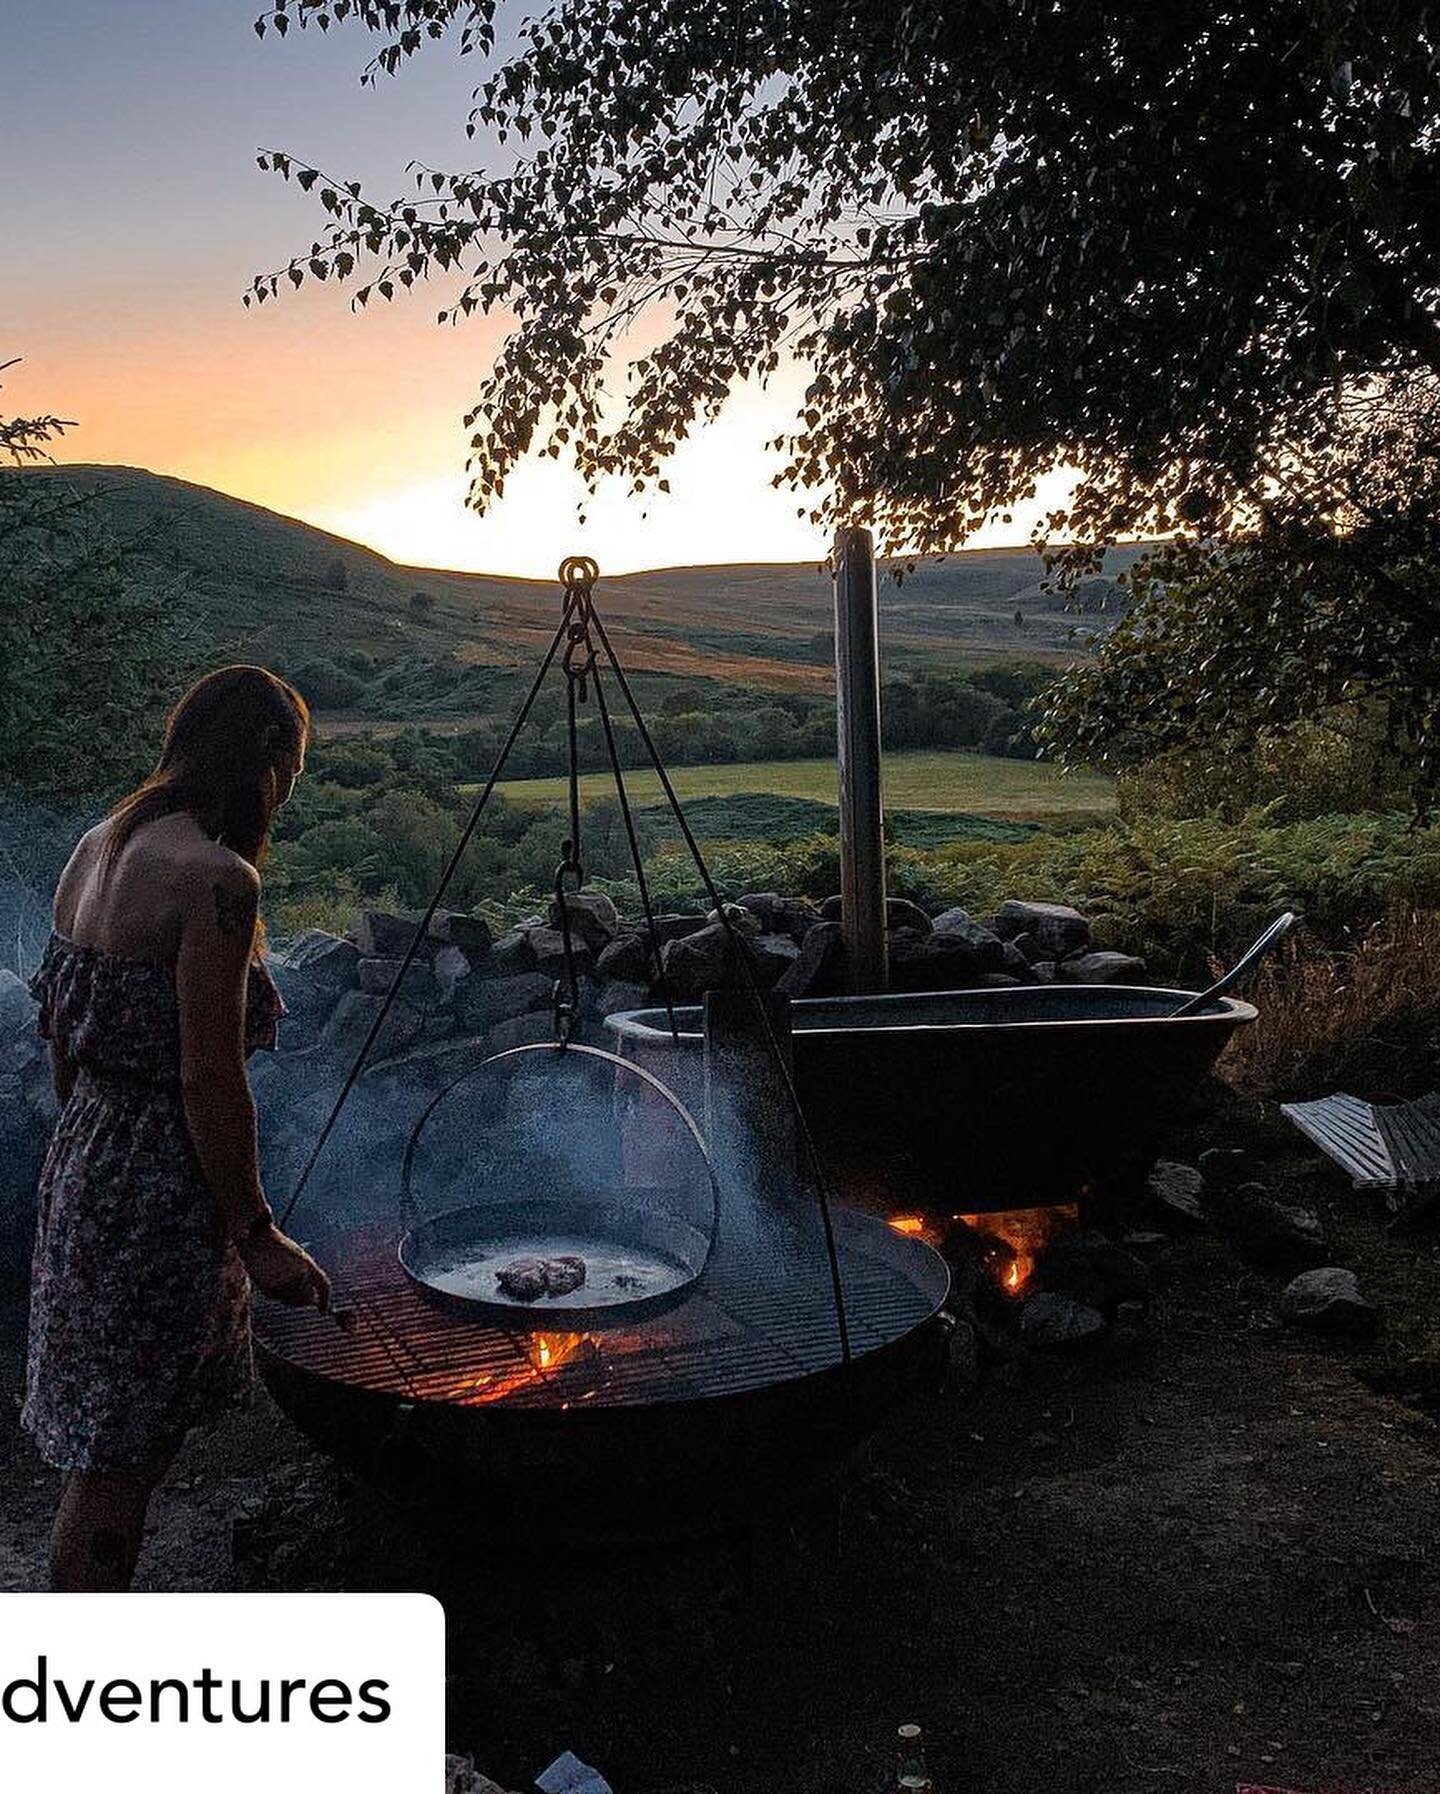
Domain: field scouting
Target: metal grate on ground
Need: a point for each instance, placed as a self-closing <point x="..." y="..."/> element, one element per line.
<point x="1393" y="1147"/>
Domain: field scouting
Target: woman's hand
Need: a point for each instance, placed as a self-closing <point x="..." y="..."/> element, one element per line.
<point x="285" y="1271"/>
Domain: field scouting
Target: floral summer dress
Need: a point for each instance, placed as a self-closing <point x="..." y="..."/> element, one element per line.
<point x="139" y="1306"/>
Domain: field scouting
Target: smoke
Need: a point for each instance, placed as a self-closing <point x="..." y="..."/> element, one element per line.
<point x="541" y="1129"/>
<point x="35" y="843"/>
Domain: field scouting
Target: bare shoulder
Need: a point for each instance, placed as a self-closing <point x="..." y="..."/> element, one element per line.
<point x="221" y="890"/>
<point x="78" y="867"/>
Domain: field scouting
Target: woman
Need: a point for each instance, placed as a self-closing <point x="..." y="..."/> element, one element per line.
<point x="152" y="1221"/>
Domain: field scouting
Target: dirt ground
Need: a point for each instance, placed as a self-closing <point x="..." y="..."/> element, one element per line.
<point x="1212" y="1562"/>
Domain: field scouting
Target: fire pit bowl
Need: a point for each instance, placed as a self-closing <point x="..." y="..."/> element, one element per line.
<point x="978" y="1099"/>
<point x="732" y="1404"/>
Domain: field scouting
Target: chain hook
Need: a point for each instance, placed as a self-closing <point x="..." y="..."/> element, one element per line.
<point x="578" y="574"/>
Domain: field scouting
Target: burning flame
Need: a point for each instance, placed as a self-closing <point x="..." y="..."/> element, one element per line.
<point x="544" y="1353"/>
<point x="915" y="1225"/>
<point x="1017" y="1237"/>
<point x="548" y="1351"/>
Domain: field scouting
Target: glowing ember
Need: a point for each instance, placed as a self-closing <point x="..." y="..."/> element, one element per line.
<point x="916" y="1225"/>
<point x="1015" y="1238"/>
<point x="546" y="1352"/>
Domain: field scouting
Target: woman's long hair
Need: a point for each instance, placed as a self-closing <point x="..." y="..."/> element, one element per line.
<point x="224" y="744"/>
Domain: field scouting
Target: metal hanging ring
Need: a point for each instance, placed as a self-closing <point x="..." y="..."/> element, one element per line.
<point x="578" y="570"/>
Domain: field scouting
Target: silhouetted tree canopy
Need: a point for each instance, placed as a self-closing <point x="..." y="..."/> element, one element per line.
<point x="88" y="658"/>
<point x="1326" y="611"/>
<point x="1142" y="240"/>
<point x="1191" y="251"/>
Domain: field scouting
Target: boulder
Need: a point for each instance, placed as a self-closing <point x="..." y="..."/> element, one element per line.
<point x="1057" y="1323"/>
<point x="453" y="928"/>
<point x="698" y="962"/>
<point x="509" y="955"/>
<point x="628" y="958"/>
<point x="945" y="958"/>
<point x="482" y="1003"/>
<point x="1103" y="968"/>
<point x="1000" y="981"/>
<point x="1090" y="1268"/>
<point x="594" y="918"/>
<point x="675" y="928"/>
<point x="1044" y="971"/>
<point x="773" y="955"/>
<point x="833" y="909"/>
<point x="323" y="957"/>
<point x="355" y="1013"/>
<point x="781" y="915"/>
<point x="1027" y="946"/>
<point x="377" y="975"/>
<point x="1275" y="1235"/>
<point x="955" y="925"/>
<point x="739" y="918"/>
<point x="1173" y="1191"/>
<point x="1328" y="1300"/>
<point x="1016" y="964"/>
<point x="17" y="1007"/>
<point x="900" y="912"/>
<point x="380" y="935"/>
<point x="548" y="946"/>
<point x="1057" y="928"/>
<point x="819" y="968"/>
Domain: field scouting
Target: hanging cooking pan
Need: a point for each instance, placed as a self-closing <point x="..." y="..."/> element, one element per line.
<point x="530" y="1256"/>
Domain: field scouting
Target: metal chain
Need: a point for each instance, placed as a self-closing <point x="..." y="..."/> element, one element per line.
<point x="578" y="574"/>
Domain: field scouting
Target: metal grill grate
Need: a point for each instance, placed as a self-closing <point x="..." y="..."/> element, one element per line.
<point x="727" y="1338"/>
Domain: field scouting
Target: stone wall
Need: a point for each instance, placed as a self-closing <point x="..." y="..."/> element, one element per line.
<point x="469" y="992"/>
<point x="465" y="984"/>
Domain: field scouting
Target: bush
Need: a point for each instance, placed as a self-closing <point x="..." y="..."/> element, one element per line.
<point x="325" y="686"/>
<point x="1363" y="1019"/>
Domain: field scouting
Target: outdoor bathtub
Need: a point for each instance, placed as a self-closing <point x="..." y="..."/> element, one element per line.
<point x="977" y="1100"/>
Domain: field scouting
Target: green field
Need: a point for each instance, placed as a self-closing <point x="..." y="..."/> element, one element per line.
<point x="956" y="782"/>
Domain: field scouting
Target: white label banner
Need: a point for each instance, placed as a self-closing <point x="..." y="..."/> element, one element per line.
<point x="263" y="1694"/>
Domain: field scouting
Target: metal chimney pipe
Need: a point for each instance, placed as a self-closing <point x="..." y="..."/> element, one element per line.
<point x="857" y="719"/>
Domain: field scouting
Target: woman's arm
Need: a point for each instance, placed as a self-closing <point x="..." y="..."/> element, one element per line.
<point x="212" y="975"/>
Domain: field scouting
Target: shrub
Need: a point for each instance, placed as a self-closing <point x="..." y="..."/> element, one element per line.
<point x="1363" y="1019"/>
<point x="325" y="686"/>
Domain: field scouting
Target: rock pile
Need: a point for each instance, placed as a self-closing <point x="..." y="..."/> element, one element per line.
<point x="467" y="987"/>
<point x="464" y="982"/>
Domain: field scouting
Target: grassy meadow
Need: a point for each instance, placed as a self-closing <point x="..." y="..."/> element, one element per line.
<point x="972" y="784"/>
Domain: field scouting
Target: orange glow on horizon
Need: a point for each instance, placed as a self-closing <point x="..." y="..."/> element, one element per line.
<point x="353" y="424"/>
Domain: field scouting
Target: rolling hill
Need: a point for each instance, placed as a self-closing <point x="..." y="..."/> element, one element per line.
<point x="271" y="588"/>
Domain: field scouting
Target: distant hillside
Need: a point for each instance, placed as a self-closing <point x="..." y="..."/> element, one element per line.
<point x="274" y="589"/>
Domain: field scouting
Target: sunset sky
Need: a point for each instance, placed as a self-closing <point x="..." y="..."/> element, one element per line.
<point x="132" y="217"/>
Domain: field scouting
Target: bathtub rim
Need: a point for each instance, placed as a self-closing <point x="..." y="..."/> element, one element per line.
<point x="637" y="1027"/>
